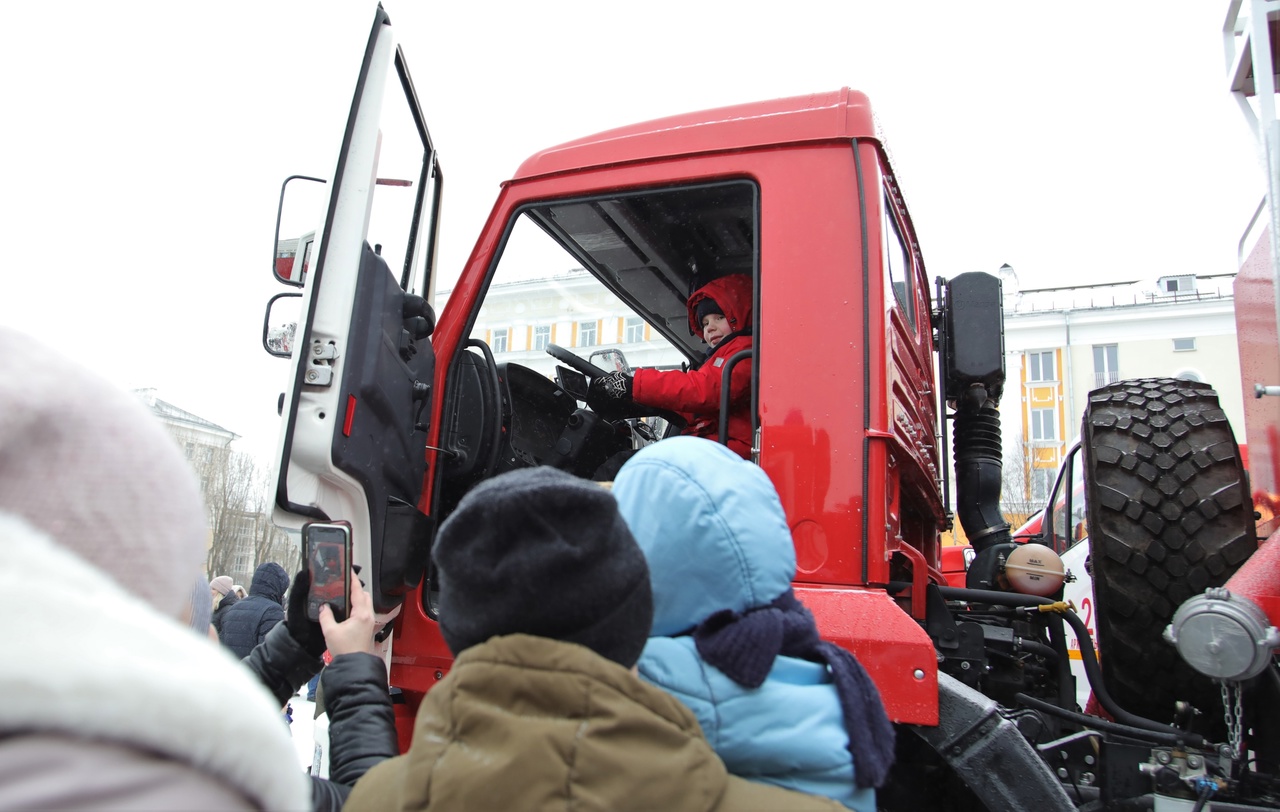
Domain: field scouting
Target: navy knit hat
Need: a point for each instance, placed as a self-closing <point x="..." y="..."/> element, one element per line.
<point x="707" y="307"/>
<point x="541" y="552"/>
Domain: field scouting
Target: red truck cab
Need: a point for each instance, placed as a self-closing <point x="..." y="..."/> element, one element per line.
<point x="392" y="411"/>
<point x="800" y="194"/>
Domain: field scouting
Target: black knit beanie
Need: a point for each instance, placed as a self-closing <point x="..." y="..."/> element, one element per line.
<point x="539" y="551"/>
<point x="705" y="308"/>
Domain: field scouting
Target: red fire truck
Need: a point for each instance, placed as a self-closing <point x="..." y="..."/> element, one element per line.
<point x="392" y="411"/>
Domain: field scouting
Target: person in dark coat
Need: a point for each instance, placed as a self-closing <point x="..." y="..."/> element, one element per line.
<point x="245" y="624"/>
<point x="224" y="597"/>
<point x="362" y="726"/>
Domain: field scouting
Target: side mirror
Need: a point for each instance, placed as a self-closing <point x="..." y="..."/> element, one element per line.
<point x="300" y="211"/>
<point x="280" y="325"/>
<point x="610" y="359"/>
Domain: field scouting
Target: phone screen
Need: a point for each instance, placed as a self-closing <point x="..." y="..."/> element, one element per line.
<point x="327" y="553"/>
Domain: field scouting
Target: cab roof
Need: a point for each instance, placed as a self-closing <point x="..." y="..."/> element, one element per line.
<point x="838" y="115"/>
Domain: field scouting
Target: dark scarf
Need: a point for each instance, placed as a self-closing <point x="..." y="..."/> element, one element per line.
<point x="745" y="645"/>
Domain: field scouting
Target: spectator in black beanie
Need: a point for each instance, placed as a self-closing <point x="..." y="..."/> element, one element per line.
<point x="545" y="601"/>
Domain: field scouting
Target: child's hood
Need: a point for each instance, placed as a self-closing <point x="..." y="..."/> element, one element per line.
<point x="732" y="293"/>
<point x="711" y="527"/>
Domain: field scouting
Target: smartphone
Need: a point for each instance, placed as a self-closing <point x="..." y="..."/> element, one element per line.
<point x="328" y="550"/>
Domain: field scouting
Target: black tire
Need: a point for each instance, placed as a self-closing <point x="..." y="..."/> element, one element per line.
<point x="1169" y="516"/>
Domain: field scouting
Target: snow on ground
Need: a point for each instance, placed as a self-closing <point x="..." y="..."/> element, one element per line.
<point x="303" y="728"/>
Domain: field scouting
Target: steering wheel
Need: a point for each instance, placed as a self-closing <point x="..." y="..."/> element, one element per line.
<point x="585" y="367"/>
<point x="612" y="412"/>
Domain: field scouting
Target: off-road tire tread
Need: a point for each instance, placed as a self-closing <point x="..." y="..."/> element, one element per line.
<point x="1169" y="516"/>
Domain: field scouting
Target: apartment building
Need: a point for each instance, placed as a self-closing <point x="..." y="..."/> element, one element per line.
<point x="1063" y="342"/>
<point x="520" y="318"/>
<point x="201" y="440"/>
<point x="240" y="531"/>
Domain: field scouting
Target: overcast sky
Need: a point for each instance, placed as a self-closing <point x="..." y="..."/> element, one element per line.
<point x="144" y="143"/>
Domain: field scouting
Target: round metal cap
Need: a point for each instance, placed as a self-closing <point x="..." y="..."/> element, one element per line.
<point x="1223" y="636"/>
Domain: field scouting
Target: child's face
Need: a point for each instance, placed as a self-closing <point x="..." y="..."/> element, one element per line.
<point x="714" y="328"/>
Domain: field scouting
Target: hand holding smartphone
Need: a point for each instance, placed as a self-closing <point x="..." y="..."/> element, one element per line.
<point x="328" y="550"/>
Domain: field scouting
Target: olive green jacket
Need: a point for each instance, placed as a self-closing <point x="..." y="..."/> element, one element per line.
<point x="528" y="723"/>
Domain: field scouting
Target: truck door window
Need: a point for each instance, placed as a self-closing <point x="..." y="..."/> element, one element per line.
<point x="400" y="199"/>
<point x="586" y="274"/>
<point x="404" y="192"/>
<point x="1067" y="531"/>
<point x="614" y="270"/>
<point x="540" y="294"/>
<point x="897" y="265"/>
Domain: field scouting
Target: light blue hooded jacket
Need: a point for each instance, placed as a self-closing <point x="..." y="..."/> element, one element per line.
<point x="715" y="536"/>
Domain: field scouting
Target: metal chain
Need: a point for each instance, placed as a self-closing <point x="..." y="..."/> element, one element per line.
<point x="1233" y="713"/>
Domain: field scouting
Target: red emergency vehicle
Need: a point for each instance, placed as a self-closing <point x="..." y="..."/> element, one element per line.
<point x="868" y="379"/>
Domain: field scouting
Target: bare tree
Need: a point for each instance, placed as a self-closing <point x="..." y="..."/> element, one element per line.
<point x="273" y="544"/>
<point x="231" y="493"/>
<point x="235" y="489"/>
<point x="1018" y="500"/>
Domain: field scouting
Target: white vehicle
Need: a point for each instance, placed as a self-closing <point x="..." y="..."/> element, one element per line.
<point x="1071" y="538"/>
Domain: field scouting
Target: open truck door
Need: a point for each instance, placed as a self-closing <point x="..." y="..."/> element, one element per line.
<point x="351" y="445"/>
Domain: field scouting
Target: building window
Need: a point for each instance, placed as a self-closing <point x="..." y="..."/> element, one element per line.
<point x="1105" y="364"/>
<point x="1041" y="482"/>
<point x="586" y="333"/>
<point x="499" y="341"/>
<point x="541" y="337"/>
<point x="1040" y="366"/>
<point x="633" y="332"/>
<point x="1042" y="424"/>
<point x="1184" y="344"/>
<point x="1188" y="375"/>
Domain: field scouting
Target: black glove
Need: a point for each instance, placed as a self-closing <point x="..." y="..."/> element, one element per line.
<point x="613" y="386"/>
<point x="302" y="628"/>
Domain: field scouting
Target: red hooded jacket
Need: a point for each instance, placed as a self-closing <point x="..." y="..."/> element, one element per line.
<point x="696" y="394"/>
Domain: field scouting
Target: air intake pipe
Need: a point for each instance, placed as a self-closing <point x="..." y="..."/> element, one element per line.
<point x="973" y="363"/>
<point x="979" y="471"/>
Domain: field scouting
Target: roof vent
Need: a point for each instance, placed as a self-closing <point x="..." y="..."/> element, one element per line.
<point x="1185" y="283"/>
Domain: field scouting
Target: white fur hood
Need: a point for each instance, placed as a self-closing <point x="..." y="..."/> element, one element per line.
<point x="83" y="657"/>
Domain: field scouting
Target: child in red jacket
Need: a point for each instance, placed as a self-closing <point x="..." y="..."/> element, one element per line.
<point x="720" y="312"/>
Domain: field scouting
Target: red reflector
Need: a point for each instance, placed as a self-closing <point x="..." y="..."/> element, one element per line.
<point x="351" y="415"/>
